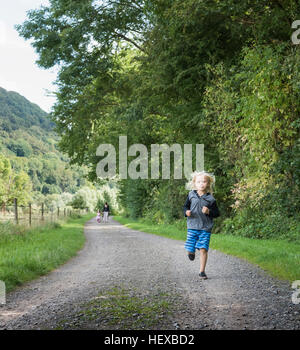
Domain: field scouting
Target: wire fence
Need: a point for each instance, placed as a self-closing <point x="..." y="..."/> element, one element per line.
<point x="35" y="215"/>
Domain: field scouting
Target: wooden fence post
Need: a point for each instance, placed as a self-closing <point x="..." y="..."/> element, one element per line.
<point x="58" y="212"/>
<point x="42" y="211"/>
<point x="30" y="214"/>
<point x="16" y="210"/>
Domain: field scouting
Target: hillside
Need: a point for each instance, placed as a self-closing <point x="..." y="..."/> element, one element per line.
<point x="28" y="140"/>
<point x="17" y="112"/>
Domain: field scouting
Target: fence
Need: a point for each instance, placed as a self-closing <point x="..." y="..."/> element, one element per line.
<point x="33" y="215"/>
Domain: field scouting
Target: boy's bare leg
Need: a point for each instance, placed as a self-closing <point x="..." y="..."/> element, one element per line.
<point x="203" y="259"/>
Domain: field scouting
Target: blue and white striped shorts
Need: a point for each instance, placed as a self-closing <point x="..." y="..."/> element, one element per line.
<point x="197" y="239"/>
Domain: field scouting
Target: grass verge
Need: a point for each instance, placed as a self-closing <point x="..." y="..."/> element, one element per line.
<point x="26" y="254"/>
<point x="279" y="258"/>
<point x="123" y="308"/>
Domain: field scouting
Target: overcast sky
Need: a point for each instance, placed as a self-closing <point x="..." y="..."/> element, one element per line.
<point x="18" y="71"/>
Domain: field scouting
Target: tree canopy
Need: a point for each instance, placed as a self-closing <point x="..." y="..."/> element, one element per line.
<point x="221" y="73"/>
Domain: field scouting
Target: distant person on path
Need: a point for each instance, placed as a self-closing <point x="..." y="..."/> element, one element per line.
<point x="105" y="212"/>
<point x="200" y="208"/>
<point x="98" y="218"/>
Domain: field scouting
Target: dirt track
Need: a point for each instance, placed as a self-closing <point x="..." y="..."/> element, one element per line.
<point x="237" y="295"/>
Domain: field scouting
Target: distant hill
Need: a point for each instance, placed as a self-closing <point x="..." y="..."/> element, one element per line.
<point x="28" y="140"/>
<point x="17" y="112"/>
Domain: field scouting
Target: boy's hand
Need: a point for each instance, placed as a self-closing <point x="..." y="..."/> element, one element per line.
<point x="188" y="213"/>
<point x="205" y="210"/>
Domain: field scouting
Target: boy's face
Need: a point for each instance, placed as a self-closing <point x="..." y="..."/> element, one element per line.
<point x="201" y="183"/>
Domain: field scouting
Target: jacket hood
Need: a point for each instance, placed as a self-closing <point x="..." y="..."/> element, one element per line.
<point x="208" y="196"/>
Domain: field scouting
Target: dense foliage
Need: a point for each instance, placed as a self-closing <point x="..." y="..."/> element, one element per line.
<point x="221" y="73"/>
<point x="17" y="112"/>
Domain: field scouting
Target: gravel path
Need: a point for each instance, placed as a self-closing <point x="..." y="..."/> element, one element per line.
<point x="237" y="295"/>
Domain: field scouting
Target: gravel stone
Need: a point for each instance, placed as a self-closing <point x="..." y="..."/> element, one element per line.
<point x="236" y="295"/>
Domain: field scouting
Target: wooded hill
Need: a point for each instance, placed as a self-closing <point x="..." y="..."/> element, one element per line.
<point x="29" y="143"/>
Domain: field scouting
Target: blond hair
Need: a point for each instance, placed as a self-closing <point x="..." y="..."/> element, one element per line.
<point x="210" y="177"/>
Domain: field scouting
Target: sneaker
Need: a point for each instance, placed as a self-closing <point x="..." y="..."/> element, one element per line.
<point x="202" y="275"/>
<point x="191" y="256"/>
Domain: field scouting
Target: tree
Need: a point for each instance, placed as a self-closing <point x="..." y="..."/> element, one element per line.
<point x="78" y="202"/>
<point x="222" y="73"/>
<point x="13" y="185"/>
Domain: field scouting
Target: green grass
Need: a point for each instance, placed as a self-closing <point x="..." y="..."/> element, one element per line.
<point x="279" y="258"/>
<point x="170" y="231"/>
<point x="122" y="308"/>
<point x="27" y="254"/>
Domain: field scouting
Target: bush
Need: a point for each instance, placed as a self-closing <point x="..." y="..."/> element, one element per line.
<point x="261" y="225"/>
<point x="75" y="216"/>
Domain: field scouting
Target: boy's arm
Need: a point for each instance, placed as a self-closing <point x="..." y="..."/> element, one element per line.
<point x="214" y="210"/>
<point x="186" y="206"/>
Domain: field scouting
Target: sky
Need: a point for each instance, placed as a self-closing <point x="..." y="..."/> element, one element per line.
<point x="18" y="70"/>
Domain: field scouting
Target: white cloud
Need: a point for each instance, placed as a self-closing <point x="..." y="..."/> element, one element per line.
<point x="18" y="70"/>
<point x="3" y="34"/>
<point x="10" y="39"/>
<point x="8" y="84"/>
